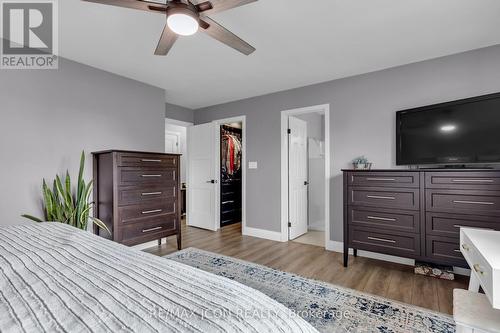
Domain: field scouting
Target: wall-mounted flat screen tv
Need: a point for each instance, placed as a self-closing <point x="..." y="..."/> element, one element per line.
<point x="460" y="132"/>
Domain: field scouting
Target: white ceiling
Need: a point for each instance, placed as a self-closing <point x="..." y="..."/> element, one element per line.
<point x="298" y="43"/>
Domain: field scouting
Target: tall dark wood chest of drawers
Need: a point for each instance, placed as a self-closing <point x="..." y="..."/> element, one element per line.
<point x="137" y="195"/>
<point x="417" y="214"/>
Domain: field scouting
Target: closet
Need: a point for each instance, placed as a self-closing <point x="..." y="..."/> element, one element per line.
<point x="231" y="174"/>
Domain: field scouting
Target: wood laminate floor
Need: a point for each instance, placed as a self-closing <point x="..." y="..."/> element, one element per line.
<point x="394" y="281"/>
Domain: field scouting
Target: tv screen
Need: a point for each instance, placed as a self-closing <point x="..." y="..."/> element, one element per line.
<point x="460" y="132"/>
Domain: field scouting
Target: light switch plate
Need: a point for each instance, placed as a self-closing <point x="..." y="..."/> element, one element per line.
<point x="253" y="165"/>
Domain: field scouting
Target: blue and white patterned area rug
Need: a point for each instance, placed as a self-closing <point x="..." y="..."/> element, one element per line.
<point x="327" y="307"/>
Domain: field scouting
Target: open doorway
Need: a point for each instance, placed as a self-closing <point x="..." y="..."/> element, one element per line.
<point x="231" y="188"/>
<point x="216" y="174"/>
<point x="176" y="143"/>
<point x="305" y="175"/>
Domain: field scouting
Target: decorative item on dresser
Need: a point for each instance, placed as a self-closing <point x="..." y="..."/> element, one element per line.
<point x="417" y="214"/>
<point x="137" y="195"/>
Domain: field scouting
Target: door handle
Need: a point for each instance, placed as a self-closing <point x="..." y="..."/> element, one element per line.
<point x="306" y="183"/>
<point x="211" y="181"/>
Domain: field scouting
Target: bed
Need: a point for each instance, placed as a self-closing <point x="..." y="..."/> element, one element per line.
<point x="55" y="278"/>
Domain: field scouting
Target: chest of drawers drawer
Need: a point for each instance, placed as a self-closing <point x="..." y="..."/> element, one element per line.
<point x="146" y="160"/>
<point x="444" y="249"/>
<point x="448" y="225"/>
<point x="144" y="177"/>
<point x="489" y="181"/>
<point x="384" y="197"/>
<point x="390" y="219"/>
<point x="151" y="194"/>
<point x="133" y="233"/>
<point x="385" y="179"/>
<point x="463" y="201"/>
<point x="147" y="211"/>
<point x="390" y="242"/>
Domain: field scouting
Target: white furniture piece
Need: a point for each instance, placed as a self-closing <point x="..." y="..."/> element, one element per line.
<point x="481" y="249"/>
<point x="474" y="312"/>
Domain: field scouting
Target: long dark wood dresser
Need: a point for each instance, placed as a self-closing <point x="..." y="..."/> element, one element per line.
<point x="417" y="214"/>
<point x="137" y="195"/>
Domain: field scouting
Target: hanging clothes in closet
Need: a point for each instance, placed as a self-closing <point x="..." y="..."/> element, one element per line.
<point x="231" y="153"/>
<point x="231" y="185"/>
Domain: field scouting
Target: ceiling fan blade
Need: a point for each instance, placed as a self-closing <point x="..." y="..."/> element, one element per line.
<point x="148" y="6"/>
<point x="222" y="5"/>
<point x="215" y="30"/>
<point x="167" y="40"/>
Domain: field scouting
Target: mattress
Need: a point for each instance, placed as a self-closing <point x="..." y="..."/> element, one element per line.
<point x="55" y="278"/>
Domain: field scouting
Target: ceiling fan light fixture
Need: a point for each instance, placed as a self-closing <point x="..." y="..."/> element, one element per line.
<point x="183" y="24"/>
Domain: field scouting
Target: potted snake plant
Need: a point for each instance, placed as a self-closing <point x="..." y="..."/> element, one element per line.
<point x="64" y="204"/>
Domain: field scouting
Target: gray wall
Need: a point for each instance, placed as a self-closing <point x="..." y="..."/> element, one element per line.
<point x="362" y="121"/>
<point x="178" y="112"/>
<point x="49" y="116"/>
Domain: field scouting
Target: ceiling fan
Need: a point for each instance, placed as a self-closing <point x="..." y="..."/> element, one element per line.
<point x="185" y="17"/>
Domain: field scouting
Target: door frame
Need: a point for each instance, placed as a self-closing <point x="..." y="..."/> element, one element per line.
<point x="178" y="135"/>
<point x="218" y="123"/>
<point x="324" y="109"/>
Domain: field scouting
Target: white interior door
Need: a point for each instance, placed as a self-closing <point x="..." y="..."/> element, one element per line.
<point x="297" y="177"/>
<point x="172" y="142"/>
<point x="201" y="180"/>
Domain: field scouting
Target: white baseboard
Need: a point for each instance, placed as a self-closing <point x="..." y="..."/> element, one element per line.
<point x="339" y="247"/>
<point x="261" y="233"/>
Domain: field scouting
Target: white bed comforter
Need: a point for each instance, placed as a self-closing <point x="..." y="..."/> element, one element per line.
<point x="55" y="278"/>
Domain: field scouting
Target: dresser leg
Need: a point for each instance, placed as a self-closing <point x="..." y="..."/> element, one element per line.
<point x="346" y="255"/>
<point x="179" y="243"/>
<point x="159" y="242"/>
<point x="355" y="252"/>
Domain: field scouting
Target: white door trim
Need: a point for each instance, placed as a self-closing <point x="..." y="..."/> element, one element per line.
<point x="325" y="109"/>
<point x="218" y="123"/>
<point x="178" y="135"/>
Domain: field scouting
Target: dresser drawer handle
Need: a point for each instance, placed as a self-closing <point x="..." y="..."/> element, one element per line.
<point x="148" y="160"/>
<point x="473" y="202"/>
<point x="150" y="176"/>
<point x="152" y="229"/>
<point x="381" y="218"/>
<point x="465" y="247"/>
<point x="457" y="251"/>
<point x="477" y="268"/>
<point x="472" y="180"/>
<point x="380" y="197"/>
<point x="381" y="179"/>
<point x="151" y="193"/>
<point x="152" y="211"/>
<point x="382" y="240"/>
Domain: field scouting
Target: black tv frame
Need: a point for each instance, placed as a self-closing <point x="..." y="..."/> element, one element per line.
<point x="435" y="106"/>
